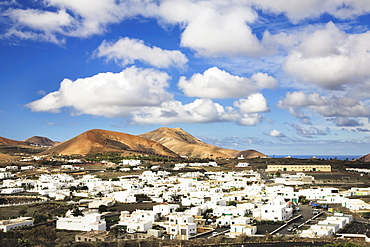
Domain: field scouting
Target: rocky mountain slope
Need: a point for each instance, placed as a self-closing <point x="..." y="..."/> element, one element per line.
<point x="172" y="142"/>
<point x="5" y="141"/>
<point x="40" y="141"/>
<point x="365" y="158"/>
<point x="184" y="144"/>
<point x="100" y="141"/>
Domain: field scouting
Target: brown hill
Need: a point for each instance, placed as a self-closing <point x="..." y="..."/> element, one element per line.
<point x="365" y="158"/>
<point x="100" y="141"/>
<point x="187" y="145"/>
<point x="5" y="141"/>
<point x="40" y="141"/>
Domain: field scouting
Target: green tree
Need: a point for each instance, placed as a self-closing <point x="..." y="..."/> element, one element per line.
<point x="22" y="212"/>
<point x="40" y="218"/>
<point x="77" y="212"/>
<point x="102" y="208"/>
<point x="302" y="199"/>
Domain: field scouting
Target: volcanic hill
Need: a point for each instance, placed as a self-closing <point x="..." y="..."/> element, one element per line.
<point x="364" y="158"/>
<point x="5" y="141"/>
<point x="40" y="141"/>
<point x="184" y="144"/>
<point x="101" y="141"/>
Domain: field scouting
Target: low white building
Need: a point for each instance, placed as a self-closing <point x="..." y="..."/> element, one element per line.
<point x="123" y="196"/>
<point x="131" y="162"/>
<point x="277" y="210"/>
<point x="238" y="229"/>
<point x="91" y="221"/>
<point x="181" y="226"/>
<point x="165" y="209"/>
<point x="242" y="164"/>
<point x="4" y="175"/>
<point x="95" y="203"/>
<point x="316" y="231"/>
<point x="355" y="204"/>
<point x="27" y="168"/>
<point x="12" y="190"/>
<point x="6" y="225"/>
<point x="135" y="223"/>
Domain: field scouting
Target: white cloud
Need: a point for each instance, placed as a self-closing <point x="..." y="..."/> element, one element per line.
<point x="342" y="107"/>
<point x="276" y="133"/>
<point x="250" y="119"/>
<point x="108" y="94"/>
<point x="41" y="20"/>
<point x="253" y="104"/>
<point x="72" y="18"/>
<point x="300" y="99"/>
<point x="125" y="51"/>
<point x="331" y="58"/>
<point x="199" y="111"/>
<point x="310" y="131"/>
<point x="213" y="28"/>
<point x="343" y="121"/>
<point x="299" y="10"/>
<point x="219" y="84"/>
<point x="325" y="106"/>
<point x="44" y="24"/>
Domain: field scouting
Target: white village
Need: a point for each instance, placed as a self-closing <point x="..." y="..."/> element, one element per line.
<point x="190" y="202"/>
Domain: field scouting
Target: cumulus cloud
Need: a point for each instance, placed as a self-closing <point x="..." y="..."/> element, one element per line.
<point x="213" y="28"/>
<point x="235" y="141"/>
<point x="348" y="122"/>
<point x="125" y="51"/>
<point x="71" y="18"/>
<point x="199" y="111"/>
<point x="300" y="99"/>
<point x="309" y="132"/>
<point x="253" y="104"/>
<point x="108" y="94"/>
<point x="325" y="106"/>
<point x="140" y="95"/>
<point x="219" y="84"/>
<point x="362" y="130"/>
<point x="276" y="133"/>
<point x="250" y="119"/>
<point x="299" y="10"/>
<point x="330" y="58"/>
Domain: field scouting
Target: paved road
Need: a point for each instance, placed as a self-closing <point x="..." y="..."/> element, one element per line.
<point x="305" y="211"/>
<point x="264" y="177"/>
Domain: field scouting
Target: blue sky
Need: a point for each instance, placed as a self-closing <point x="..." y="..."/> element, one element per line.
<point x="278" y="76"/>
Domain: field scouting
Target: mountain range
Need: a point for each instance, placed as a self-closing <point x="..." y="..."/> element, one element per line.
<point x="172" y="142"/>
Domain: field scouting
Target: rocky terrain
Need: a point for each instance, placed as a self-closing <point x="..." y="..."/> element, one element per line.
<point x="171" y="142"/>
<point x="187" y="145"/>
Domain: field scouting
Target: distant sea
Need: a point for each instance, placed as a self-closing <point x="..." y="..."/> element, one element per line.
<point x="326" y="157"/>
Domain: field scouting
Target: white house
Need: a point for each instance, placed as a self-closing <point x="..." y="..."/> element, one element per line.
<point x="123" y="196"/>
<point x="355" y="204"/>
<point x="6" y="225"/>
<point x="316" y="231"/>
<point x="91" y="220"/>
<point x="181" y="225"/>
<point x="12" y="190"/>
<point x="228" y="220"/>
<point x="4" y="175"/>
<point x="187" y="201"/>
<point x="135" y="223"/>
<point x="165" y="209"/>
<point x="237" y="229"/>
<point x="242" y="164"/>
<point x="131" y="162"/>
<point x="277" y="210"/>
<point x="95" y="203"/>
